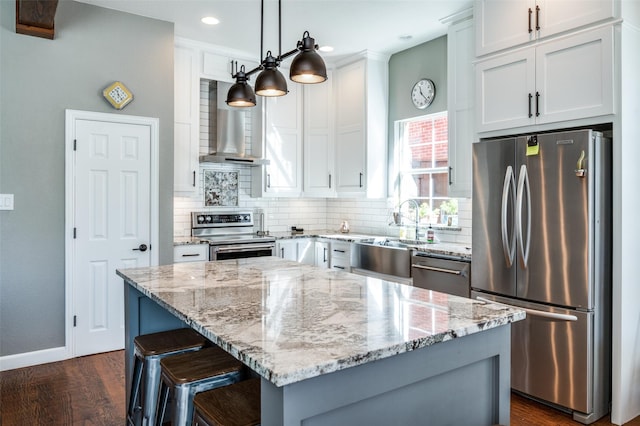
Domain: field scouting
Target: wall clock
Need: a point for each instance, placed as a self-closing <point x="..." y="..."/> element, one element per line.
<point x="423" y="93"/>
<point x="117" y="95"/>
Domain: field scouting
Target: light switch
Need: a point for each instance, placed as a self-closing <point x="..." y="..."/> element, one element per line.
<point x="6" y="201"/>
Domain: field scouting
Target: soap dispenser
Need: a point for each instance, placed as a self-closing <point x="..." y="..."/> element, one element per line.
<point x="431" y="235"/>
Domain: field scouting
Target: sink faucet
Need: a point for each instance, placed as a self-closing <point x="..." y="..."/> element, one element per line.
<point x="417" y="207"/>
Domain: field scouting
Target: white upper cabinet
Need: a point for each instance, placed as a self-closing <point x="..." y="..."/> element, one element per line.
<point x="501" y="24"/>
<point x="461" y="107"/>
<point x="361" y="127"/>
<point x="298" y="142"/>
<point x="186" y="120"/>
<point x="567" y="78"/>
<point x="282" y="146"/>
<point x="319" y="139"/>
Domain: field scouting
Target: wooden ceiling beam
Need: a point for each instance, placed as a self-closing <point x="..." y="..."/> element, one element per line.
<point x="36" y="17"/>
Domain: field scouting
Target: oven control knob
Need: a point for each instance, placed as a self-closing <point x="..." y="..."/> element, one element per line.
<point x="208" y="219"/>
<point x="200" y="219"/>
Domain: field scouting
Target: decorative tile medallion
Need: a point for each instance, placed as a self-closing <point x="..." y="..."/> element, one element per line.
<point x="220" y="188"/>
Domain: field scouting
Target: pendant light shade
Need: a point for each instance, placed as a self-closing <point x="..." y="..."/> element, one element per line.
<point x="308" y="67"/>
<point x="271" y="82"/>
<point x="241" y="94"/>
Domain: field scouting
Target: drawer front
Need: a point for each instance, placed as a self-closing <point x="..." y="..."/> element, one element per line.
<point x="190" y="253"/>
<point x="445" y="276"/>
<point x="340" y="263"/>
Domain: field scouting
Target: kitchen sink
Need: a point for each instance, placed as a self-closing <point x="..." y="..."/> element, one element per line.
<point x="382" y="255"/>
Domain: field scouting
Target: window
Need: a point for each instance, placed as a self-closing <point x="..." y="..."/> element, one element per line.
<point x="424" y="167"/>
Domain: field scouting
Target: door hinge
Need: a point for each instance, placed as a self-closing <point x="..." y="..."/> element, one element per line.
<point x="75" y="320"/>
<point x="75" y="142"/>
<point x="74" y="233"/>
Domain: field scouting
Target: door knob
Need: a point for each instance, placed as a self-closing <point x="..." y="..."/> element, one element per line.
<point x="141" y="247"/>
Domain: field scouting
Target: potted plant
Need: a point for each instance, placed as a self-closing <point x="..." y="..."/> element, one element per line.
<point x="449" y="212"/>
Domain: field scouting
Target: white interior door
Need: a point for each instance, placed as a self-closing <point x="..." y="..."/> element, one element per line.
<point x="112" y="226"/>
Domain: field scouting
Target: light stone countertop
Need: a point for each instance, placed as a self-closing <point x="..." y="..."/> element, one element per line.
<point x="290" y="322"/>
<point x="449" y="249"/>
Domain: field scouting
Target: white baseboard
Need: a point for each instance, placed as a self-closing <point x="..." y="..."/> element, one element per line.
<point x="28" y="359"/>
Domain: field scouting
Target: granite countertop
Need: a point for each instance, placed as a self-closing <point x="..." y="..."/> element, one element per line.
<point x="448" y="249"/>
<point x="290" y="322"/>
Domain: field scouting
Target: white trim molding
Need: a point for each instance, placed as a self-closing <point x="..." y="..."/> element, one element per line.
<point x="28" y="359"/>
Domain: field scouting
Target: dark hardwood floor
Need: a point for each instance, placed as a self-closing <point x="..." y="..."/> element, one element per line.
<point x="90" y="391"/>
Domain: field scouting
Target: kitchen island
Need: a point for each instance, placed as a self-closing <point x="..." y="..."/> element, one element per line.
<point x="335" y="348"/>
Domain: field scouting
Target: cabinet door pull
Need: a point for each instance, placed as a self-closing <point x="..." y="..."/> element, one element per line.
<point x="268" y="180"/>
<point x="282" y="252"/>
<point x="324" y="255"/>
<point x="329" y="180"/>
<point x="530" y="114"/>
<point x="194" y="178"/>
<point x="537" y="104"/>
<point x="537" y="18"/>
<point x="339" y="267"/>
<point x="530" y="13"/>
<point x="361" y="180"/>
<point x="190" y="255"/>
<point x="339" y="251"/>
<point x="450" y="169"/>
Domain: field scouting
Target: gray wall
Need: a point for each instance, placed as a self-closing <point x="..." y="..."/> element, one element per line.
<point x="40" y="79"/>
<point x="427" y="60"/>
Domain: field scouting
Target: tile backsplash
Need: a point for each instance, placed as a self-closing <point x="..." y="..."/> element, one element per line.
<point x="368" y="216"/>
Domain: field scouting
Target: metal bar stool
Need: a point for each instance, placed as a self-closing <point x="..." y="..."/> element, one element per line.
<point x="149" y="349"/>
<point x="233" y="405"/>
<point x="187" y="374"/>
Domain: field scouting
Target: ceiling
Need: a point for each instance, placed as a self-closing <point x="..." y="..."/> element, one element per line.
<point x="350" y="26"/>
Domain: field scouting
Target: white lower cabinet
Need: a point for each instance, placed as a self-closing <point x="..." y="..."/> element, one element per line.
<point x="340" y="256"/>
<point x="287" y="249"/>
<point x="301" y="250"/>
<point x="306" y="251"/>
<point x="322" y="254"/>
<point x="190" y="253"/>
<point x="568" y="78"/>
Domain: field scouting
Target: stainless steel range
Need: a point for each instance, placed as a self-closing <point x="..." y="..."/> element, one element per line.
<point x="231" y="235"/>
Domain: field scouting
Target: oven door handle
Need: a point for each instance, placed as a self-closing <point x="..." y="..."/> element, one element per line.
<point x="243" y="247"/>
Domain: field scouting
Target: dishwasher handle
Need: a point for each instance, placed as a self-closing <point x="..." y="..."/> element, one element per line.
<point x="533" y="312"/>
<point x="433" y="268"/>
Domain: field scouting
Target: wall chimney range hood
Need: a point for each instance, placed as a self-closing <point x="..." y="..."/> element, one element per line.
<point x="228" y="127"/>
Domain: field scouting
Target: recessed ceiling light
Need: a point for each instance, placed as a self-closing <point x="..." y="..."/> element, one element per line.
<point x="210" y="20"/>
<point x="326" y="49"/>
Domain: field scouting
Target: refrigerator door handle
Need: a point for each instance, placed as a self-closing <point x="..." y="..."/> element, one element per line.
<point x="523" y="183"/>
<point x="533" y="312"/>
<point x="509" y="186"/>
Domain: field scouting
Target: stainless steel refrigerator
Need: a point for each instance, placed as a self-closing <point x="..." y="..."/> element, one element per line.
<point x="541" y="241"/>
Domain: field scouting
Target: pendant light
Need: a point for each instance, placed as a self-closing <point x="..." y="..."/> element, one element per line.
<point x="307" y="68"/>
<point x="271" y="82"/>
<point x="241" y="94"/>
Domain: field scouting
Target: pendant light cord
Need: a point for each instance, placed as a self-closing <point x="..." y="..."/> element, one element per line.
<point x="261" y="31"/>
<point x="279" y="31"/>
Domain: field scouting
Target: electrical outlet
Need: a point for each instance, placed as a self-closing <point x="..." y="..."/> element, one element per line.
<point x="6" y="201"/>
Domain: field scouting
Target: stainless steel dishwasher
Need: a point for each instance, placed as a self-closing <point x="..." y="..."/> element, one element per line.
<point x="446" y="274"/>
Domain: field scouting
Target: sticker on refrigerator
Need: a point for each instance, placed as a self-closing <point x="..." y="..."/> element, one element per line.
<point x="532" y="145"/>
